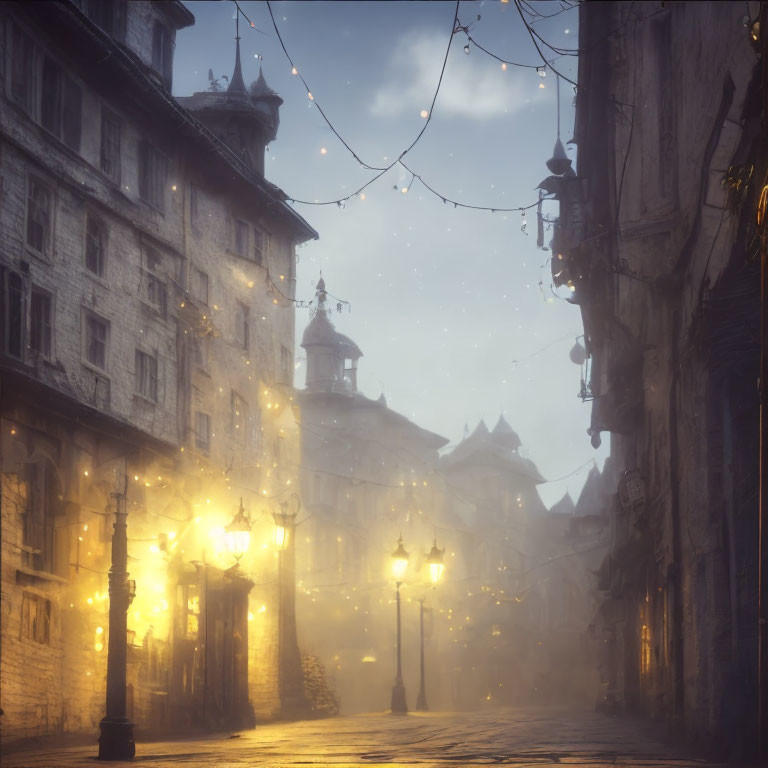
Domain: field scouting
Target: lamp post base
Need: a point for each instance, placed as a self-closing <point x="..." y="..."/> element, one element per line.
<point x="399" y="707"/>
<point x="116" y="739"/>
<point x="421" y="702"/>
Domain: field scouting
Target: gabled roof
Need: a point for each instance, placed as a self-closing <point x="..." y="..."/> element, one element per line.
<point x="505" y="435"/>
<point x="564" y="507"/>
<point x="493" y="448"/>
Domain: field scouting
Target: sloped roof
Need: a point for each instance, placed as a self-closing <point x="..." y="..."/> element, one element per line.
<point x="505" y="435"/>
<point x="564" y="507"/>
<point x="484" y="447"/>
<point x="321" y="333"/>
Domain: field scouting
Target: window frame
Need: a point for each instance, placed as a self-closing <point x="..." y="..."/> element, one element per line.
<point x="6" y="308"/>
<point x="240" y="436"/>
<point x="153" y="162"/>
<point x="47" y="351"/>
<point x="29" y="101"/>
<point x="48" y="236"/>
<point x="33" y="629"/>
<point x="152" y="275"/>
<point x="162" y="52"/>
<point x="109" y="117"/>
<point x="66" y="94"/>
<point x="89" y="314"/>
<point x="144" y="376"/>
<point x="260" y="252"/>
<point x="198" y="279"/>
<point x="104" y="230"/>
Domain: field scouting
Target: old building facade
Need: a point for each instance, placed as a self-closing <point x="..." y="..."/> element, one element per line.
<point x="147" y="277"/>
<point x="657" y="243"/>
<point x="369" y="476"/>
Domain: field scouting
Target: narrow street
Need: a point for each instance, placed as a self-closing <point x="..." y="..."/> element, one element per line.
<point x="516" y="737"/>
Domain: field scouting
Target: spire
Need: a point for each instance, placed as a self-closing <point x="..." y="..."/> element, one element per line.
<point x="320" y="293"/>
<point x="236" y="83"/>
<point x="260" y="89"/>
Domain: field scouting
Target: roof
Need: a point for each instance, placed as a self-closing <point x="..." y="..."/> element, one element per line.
<point x="356" y="400"/>
<point x="505" y="435"/>
<point x="118" y="65"/>
<point x="321" y="333"/>
<point x="499" y="447"/>
<point x="564" y="507"/>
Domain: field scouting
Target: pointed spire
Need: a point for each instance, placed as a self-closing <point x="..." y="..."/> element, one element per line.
<point x="480" y="429"/>
<point x="236" y="83"/>
<point x="260" y="89"/>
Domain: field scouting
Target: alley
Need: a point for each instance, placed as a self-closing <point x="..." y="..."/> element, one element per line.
<point x="516" y="737"/>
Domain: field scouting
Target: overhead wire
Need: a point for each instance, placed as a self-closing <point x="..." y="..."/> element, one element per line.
<point x="381" y="170"/>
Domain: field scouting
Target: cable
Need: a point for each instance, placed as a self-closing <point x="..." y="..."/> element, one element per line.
<point x="457" y="27"/>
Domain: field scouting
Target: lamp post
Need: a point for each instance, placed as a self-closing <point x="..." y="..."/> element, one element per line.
<point x="237" y="535"/>
<point x="116" y="737"/>
<point x="399" y="566"/>
<point x="435" y="565"/>
<point x="293" y="702"/>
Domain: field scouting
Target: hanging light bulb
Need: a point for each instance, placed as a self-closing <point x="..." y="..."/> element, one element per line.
<point x="424" y="113"/>
<point x="503" y="66"/>
<point x="294" y="71"/>
<point x="541" y="71"/>
<point x="466" y="49"/>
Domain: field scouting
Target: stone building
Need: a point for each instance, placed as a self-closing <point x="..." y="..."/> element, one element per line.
<point x="657" y="244"/>
<point x="369" y="476"/>
<point x="147" y="318"/>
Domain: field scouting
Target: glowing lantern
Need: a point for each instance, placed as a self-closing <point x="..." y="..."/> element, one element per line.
<point x="284" y="522"/>
<point x="237" y="535"/>
<point x="435" y="563"/>
<point x="399" y="561"/>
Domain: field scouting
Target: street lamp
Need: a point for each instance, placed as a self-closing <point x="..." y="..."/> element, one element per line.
<point x="293" y="701"/>
<point x="436" y="567"/>
<point x="399" y="566"/>
<point x="435" y="563"/>
<point x="237" y="535"/>
<point x="116" y="730"/>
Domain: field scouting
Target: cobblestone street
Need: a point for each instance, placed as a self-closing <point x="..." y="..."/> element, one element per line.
<point x="513" y="737"/>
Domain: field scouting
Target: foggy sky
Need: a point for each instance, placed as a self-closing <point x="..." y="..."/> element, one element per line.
<point x="445" y="303"/>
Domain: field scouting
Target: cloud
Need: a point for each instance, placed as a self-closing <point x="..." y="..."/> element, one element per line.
<point x="473" y="86"/>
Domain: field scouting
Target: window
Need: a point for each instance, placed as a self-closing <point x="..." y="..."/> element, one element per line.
<point x="39" y="216"/>
<point x="241" y="238"/>
<point x="200" y="351"/>
<point x="286" y="365"/>
<point x="110" y="145"/>
<point x="110" y="15"/>
<point x="154" y="281"/>
<point x="95" y="245"/>
<point x="291" y="263"/>
<point x="153" y="169"/>
<point x="162" y="55"/>
<point x="22" y="69"/>
<point x="240" y="421"/>
<point x="35" y="618"/>
<point x="146" y="375"/>
<point x="241" y="326"/>
<point x="199" y="280"/>
<point x="39" y="516"/>
<point x="12" y="312"/>
<point x="260" y="241"/>
<point x="61" y="105"/>
<point x="96" y="330"/>
<point x="202" y="431"/>
<point x="40" y="322"/>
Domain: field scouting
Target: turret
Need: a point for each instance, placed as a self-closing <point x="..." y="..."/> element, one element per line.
<point x="331" y="356"/>
<point x="245" y="120"/>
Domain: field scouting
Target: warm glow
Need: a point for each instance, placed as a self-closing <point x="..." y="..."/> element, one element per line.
<point x="399" y="561"/>
<point x="281" y="537"/>
<point x="435" y="572"/>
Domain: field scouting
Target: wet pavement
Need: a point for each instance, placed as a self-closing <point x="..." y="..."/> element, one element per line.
<point x="513" y="737"/>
